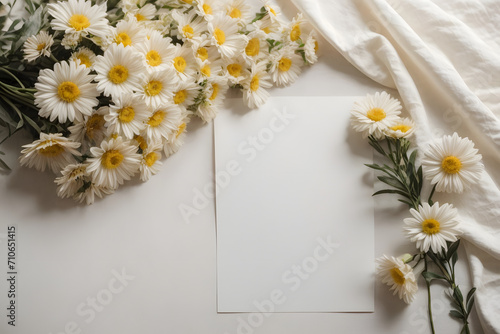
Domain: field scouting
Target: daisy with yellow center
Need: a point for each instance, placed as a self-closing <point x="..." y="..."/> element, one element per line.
<point x="238" y="10"/>
<point x="84" y="56"/>
<point x="214" y="94"/>
<point x="175" y="141"/>
<point x="235" y="70"/>
<point x="72" y="180"/>
<point x="126" y="117"/>
<point x="399" y="276"/>
<point x="91" y="130"/>
<point x="273" y="12"/>
<point x="145" y="13"/>
<point x="294" y="30"/>
<point x="207" y="8"/>
<point x="190" y="26"/>
<point x="161" y="122"/>
<point x="256" y="46"/>
<point x="311" y="48"/>
<point x="119" y="71"/>
<point x="184" y="94"/>
<point x="285" y="66"/>
<point x="402" y="128"/>
<point x="65" y="93"/>
<point x="52" y="151"/>
<point x="37" y="46"/>
<point x="115" y="161"/>
<point x="150" y="163"/>
<point x="375" y="114"/>
<point x="225" y="37"/>
<point x="256" y="84"/>
<point x="452" y="164"/>
<point x="156" y="88"/>
<point x="129" y="32"/>
<point x="432" y="226"/>
<point x="183" y="63"/>
<point x="157" y="52"/>
<point x="79" y="17"/>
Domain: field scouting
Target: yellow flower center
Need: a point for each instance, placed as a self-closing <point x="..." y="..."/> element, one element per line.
<point x="207" y="9"/>
<point x="376" y="114"/>
<point x="188" y="31"/>
<point x="267" y="30"/>
<point x="153" y="88"/>
<point x="430" y="226"/>
<point x="151" y="158"/>
<point x="123" y="38"/>
<point x="215" y="92"/>
<point x="111" y="159"/>
<point x="234" y="69"/>
<point x="272" y="10"/>
<point x="254" y="84"/>
<point x="253" y="47"/>
<point x="220" y="36"/>
<point x="140" y="17"/>
<point x="202" y="53"/>
<point x="68" y="91"/>
<point x="180" y="130"/>
<point x="51" y="151"/>
<point x="180" y="64"/>
<point x="235" y="13"/>
<point x="180" y="96"/>
<point x="153" y="58"/>
<point x="156" y="118"/>
<point x="206" y="70"/>
<point x="77" y="172"/>
<point x="187" y="1"/>
<point x="114" y="135"/>
<point x="143" y="144"/>
<point x="451" y="165"/>
<point x="79" y="22"/>
<point x="397" y="276"/>
<point x="94" y="123"/>
<point x="126" y="115"/>
<point x="118" y="74"/>
<point x="84" y="60"/>
<point x="284" y="64"/>
<point x="401" y="127"/>
<point x="316" y="46"/>
<point x="295" y="33"/>
<point x="40" y="46"/>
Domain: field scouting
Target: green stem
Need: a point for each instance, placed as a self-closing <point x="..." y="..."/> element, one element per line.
<point x="429" y="304"/>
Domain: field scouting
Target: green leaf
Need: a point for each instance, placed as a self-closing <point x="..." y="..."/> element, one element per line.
<point x="470" y="304"/>
<point x="458" y="294"/>
<point x="390" y="191"/>
<point x="392" y="182"/>
<point x="452" y="249"/>
<point x="429" y="276"/>
<point x="456" y="314"/>
<point x="470" y="294"/>
<point x="454" y="259"/>
<point x="405" y="202"/>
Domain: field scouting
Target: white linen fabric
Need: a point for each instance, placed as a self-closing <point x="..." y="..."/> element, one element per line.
<point x="443" y="57"/>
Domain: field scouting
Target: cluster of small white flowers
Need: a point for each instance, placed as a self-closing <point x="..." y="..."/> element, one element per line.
<point x="129" y="88"/>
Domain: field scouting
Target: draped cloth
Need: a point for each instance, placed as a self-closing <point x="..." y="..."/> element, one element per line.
<point x="443" y="57"/>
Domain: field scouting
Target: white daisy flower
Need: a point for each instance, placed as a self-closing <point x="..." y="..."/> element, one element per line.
<point x="119" y="71"/>
<point x="189" y="26"/>
<point x="403" y="128"/>
<point x="224" y="35"/>
<point x="129" y="33"/>
<point x="452" y="164"/>
<point x="144" y="13"/>
<point x="432" y="226"/>
<point x="113" y="162"/>
<point x="203" y="49"/>
<point x="207" y="8"/>
<point x="157" y="52"/>
<point x="208" y="69"/>
<point x="173" y="144"/>
<point x="375" y="114"/>
<point x="71" y="40"/>
<point x="37" y="46"/>
<point x="238" y="10"/>
<point x="236" y="70"/>
<point x="184" y="63"/>
<point x="294" y="31"/>
<point x="65" y="93"/>
<point x="51" y="150"/>
<point x="255" y="85"/>
<point x="126" y="117"/>
<point x="185" y="93"/>
<point x="272" y="28"/>
<point x="89" y="193"/>
<point x="72" y="180"/>
<point x="399" y="276"/>
<point x="256" y="47"/>
<point x="285" y="66"/>
<point x="85" y="56"/>
<point x="215" y="92"/>
<point x="272" y="11"/>
<point x="79" y="17"/>
<point x="162" y="122"/>
<point x="157" y="88"/>
<point x="90" y="131"/>
<point x="311" y="48"/>
<point x="150" y="163"/>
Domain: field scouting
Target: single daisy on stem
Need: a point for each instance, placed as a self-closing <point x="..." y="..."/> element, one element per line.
<point x="37" y="46"/>
<point x="399" y="276"/>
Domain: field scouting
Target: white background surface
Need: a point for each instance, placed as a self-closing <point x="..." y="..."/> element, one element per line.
<point x="67" y="253"/>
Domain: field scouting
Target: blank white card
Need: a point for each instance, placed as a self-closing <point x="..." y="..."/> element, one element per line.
<point x="294" y="208"/>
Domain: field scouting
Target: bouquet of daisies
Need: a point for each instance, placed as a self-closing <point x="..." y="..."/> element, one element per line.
<point x="108" y="88"/>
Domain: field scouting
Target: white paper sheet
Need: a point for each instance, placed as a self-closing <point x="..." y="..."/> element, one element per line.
<point x="294" y="208"/>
